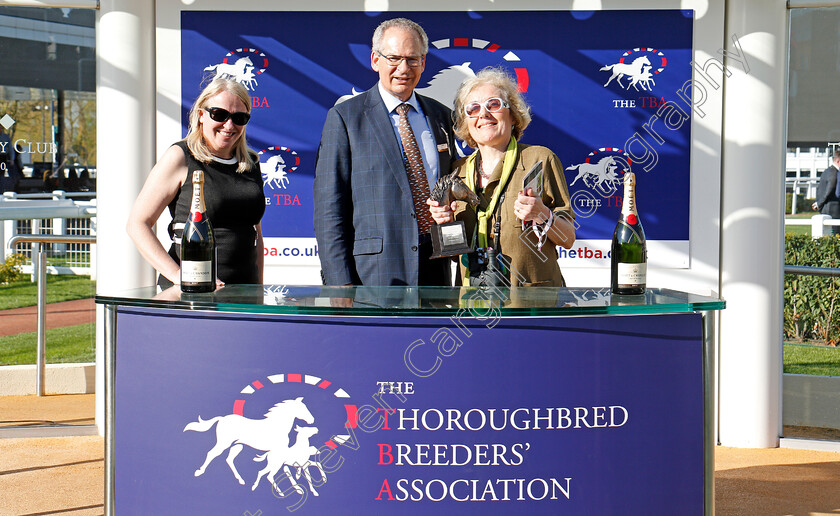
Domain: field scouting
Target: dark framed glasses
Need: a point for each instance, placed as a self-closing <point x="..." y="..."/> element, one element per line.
<point x="492" y="105"/>
<point x="220" y="115"/>
<point x="394" y="61"/>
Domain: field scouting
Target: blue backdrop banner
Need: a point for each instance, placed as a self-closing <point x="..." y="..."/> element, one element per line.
<point x="610" y="91"/>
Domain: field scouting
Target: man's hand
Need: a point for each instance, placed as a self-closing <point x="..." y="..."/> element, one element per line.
<point x="442" y="214"/>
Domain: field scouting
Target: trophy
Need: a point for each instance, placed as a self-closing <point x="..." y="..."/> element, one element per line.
<point x="450" y="239"/>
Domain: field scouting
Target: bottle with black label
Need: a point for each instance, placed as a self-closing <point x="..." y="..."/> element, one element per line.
<point x="628" y="259"/>
<point x="198" y="247"/>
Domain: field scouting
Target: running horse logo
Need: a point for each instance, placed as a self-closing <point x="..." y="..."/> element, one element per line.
<point x="274" y="172"/>
<point x="638" y="71"/>
<point x="595" y="175"/>
<point x="234" y="432"/>
<point x="242" y="71"/>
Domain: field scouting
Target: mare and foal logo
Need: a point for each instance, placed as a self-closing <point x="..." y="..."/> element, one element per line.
<point x="241" y="69"/>
<point x="639" y="69"/>
<point x="240" y="65"/>
<point x="600" y="169"/>
<point x="270" y="435"/>
<point x="279" y="163"/>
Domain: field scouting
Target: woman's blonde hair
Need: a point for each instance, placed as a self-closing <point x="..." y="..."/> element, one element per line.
<point x="509" y="92"/>
<point x="195" y="138"/>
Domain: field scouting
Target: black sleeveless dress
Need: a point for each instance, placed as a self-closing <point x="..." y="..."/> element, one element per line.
<point x="235" y="204"/>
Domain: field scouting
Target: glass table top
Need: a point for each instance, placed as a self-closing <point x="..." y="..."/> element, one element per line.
<point x="415" y="301"/>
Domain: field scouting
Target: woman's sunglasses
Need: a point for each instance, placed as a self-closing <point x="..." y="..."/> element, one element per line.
<point x="220" y="115"/>
<point x="492" y="105"/>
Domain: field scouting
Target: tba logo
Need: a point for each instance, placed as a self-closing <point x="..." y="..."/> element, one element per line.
<point x="270" y="434"/>
<point x="637" y="65"/>
<point x="241" y="69"/>
<point x="274" y="169"/>
<point x="599" y="170"/>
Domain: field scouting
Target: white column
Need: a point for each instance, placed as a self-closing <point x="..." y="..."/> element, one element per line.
<point x="125" y="93"/>
<point x="752" y="224"/>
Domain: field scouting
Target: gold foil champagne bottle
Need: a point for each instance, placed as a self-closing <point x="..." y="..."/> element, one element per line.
<point x="628" y="257"/>
<point x="198" y="247"/>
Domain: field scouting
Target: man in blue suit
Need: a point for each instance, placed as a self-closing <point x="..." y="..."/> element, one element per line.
<point x="366" y="222"/>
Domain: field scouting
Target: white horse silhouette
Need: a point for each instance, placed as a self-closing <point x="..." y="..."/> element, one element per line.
<point x="595" y="174"/>
<point x="296" y="456"/>
<point x="619" y="70"/>
<point x="274" y="172"/>
<point x="644" y="79"/>
<point x="249" y="80"/>
<point x="234" y="431"/>
<point x="240" y="71"/>
<point x="442" y="87"/>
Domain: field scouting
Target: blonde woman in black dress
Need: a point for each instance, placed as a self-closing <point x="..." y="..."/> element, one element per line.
<point x="233" y="190"/>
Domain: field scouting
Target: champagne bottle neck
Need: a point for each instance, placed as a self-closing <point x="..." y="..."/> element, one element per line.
<point x="197" y="205"/>
<point x="628" y="206"/>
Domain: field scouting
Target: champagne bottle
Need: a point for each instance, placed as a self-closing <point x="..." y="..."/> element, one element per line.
<point x="198" y="247"/>
<point x="628" y="258"/>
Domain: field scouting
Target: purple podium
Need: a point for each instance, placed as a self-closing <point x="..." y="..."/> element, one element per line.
<point x="318" y="400"/>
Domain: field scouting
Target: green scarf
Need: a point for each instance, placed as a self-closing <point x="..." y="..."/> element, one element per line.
<point x="484" y="216"/>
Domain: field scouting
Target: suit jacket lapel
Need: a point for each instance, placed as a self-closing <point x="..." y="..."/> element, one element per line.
<point x="383" y="130"/>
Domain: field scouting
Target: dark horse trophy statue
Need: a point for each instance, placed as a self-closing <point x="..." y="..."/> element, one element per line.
<point x="450" y="239"/>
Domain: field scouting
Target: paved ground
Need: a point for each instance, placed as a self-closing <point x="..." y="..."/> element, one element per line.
<point x="776" y="482"/>
<point x="52" y="409"/>
<point x="65" y="475"/>
<point x="62" y="475"/>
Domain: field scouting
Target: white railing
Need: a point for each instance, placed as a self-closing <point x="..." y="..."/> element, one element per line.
<point x="58" y="213"/>
<point x="40" y="278"/>
<point x="803" y="167"/>
<point x="805" y="187"/>
<point x="821" y="225"/>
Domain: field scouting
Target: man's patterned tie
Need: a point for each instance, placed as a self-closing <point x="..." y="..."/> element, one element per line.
<point x="416" y="173"/>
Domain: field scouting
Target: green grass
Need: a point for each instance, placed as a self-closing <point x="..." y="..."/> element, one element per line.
<point x="811" y="359"/>
<point x="799" y="230"/>
<point x="64" y="345"/>
<point x="59" y="288"/>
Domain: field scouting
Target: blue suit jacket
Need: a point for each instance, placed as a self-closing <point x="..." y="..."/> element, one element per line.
<point x="364" y="213"/>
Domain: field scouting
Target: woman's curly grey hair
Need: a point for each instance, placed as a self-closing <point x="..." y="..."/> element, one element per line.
<point x="508" y="90"/>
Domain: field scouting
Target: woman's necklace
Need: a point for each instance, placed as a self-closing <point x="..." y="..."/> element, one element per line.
<point x="481" y="171"/>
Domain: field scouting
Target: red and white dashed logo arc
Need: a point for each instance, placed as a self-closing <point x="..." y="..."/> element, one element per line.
<point x="305" y="379"/>
<point x="521" y="72"/>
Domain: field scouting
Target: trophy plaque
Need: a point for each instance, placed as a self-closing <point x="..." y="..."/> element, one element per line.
<point x="450" y="239"/>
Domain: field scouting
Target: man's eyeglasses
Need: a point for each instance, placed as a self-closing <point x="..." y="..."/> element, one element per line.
<point x="492" y="105"/>
<point x="220" y="115"/>
<point x="411" y="61"/>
